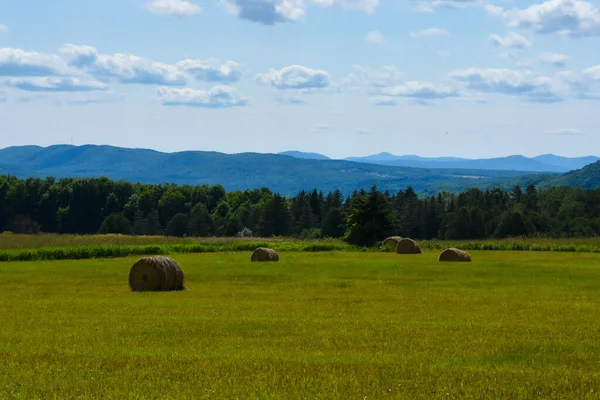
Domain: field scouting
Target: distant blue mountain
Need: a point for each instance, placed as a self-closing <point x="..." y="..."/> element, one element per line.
<point x="569" y="164"/>
<point x="305" y="156"/>
<point x="283" y="174"/>
<point x="544" y="163"/>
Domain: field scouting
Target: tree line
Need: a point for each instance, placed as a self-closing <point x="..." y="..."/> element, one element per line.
<point x="100" y="205"/>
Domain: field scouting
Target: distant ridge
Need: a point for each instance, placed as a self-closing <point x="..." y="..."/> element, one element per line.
<point x="281" y="173"/>
<point x="542" y="163"/>
<point x="305" y="156"/>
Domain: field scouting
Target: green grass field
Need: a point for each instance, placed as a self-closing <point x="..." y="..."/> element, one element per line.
<point x="325" y="325"/>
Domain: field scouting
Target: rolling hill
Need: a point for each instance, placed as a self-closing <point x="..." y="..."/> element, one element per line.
<point x="303" y="155"/>
<point x="544" y="163"/>
<point x="281" y="173"/>
<point x="588" y="177"/>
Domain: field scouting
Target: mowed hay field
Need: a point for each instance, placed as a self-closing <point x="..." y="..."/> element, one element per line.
<point x="325" y="325"/>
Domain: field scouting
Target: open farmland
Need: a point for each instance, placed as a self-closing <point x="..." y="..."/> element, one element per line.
<point x="315" y="325"/>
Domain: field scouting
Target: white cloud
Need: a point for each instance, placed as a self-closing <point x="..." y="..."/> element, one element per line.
<point x="321" y="128"/>
<point x="431" y="32"/>
<point x="494" y="80"/>
<point x="2" y="97"/>
<point x="270" y="12"/>
<point x="16" y="62"/>
<point x="366" y="6"/>
<point x="212" y="70"/>
<point x="512" y="41"/>
<point x="180" y="8"/>
<point x="125" y="68"/>
<point x="592" y="73"/>
<point x="420" y="90"/>
<point x="217" y="97"/>
<point x="295" y="77"/>
<point x="555" y="59"/>
<point x="290" y="100"/>
<point x="3" y="28"/>
<point x="55" y="84"/>
<point x="565" y="132"/>
<point x="569" y="18"/>
<point x="374" y="37"/>
<point x="430" y="5"/>
<point x="385" y="76"/>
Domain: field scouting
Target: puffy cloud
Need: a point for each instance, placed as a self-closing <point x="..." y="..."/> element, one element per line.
<point x="555" y="59"/>
<point x="217" y="97"/>
<point x="212" y="70"/>
<point x="16" y="62"/>
<point x="569" y="18"/>
<point x="3" y="28"/>
<point x="370" y="77"/>
<point x="270" y="12"/>
<point x="367" y="6"/>
<point x="295" y="77"/>
<point x="431" y="32"/>
<point x="509" y="82"/>
<point x="512" y="41"/>
<point x="267" y="12"/>
<point x="420" y="90"/>
<point x="430" y="5"/>
<point x="125" y="68"/>
<point x="180" y="8"/>
<point x="374" y="37"/>
<point x="592" y="73"/>
<point x="132" y="69"/>
<point x="55" y="84"/>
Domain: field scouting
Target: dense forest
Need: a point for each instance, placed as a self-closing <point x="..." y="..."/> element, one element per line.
<point x="88" y="206"/>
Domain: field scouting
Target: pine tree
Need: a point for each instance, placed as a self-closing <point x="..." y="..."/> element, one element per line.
<point x="370" y="219"/>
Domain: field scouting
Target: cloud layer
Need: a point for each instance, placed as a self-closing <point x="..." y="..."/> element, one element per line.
<point x="569" y="18"/>
<point x="217" y="97"/>
<point x="179" y="8"/>
<point x="295" y="77"/>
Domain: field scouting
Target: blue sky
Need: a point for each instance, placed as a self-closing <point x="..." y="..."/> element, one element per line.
<point x="339" y="77"/>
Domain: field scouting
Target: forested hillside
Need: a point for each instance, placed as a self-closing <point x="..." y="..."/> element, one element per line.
<point x="284" y="174"/>
<point x="87" y="206"/>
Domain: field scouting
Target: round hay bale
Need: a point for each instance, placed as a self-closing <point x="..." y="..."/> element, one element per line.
<point x="156" y="274"/>
<point x="391" y="242"/>
<point x="407" y="246"/>
<point x="264" y="254"/>
<point x="455" y="255"/>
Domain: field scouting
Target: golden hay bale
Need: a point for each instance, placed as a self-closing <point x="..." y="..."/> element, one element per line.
<point x="407" y="246"/>
<point x="156" y="274"/>
<point x="453" y="254"/>
<point x="391" y="242"/>
<point x="264" y="254"/>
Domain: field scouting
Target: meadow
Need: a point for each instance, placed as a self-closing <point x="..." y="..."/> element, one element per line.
<point x="316" y="325"/>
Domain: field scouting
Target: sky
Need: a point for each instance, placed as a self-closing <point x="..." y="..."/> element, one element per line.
<point x="464" y="78"/>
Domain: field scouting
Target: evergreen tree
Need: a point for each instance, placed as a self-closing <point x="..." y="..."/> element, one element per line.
<point x="370" y="219"/>
<point x="275" y="217"/>
<point x="334" y="224"/>
<point x="116" y="223"/>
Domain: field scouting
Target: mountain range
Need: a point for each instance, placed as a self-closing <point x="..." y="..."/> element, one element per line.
<point x="542" y="163"/>
<point x="281" y="173"/>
